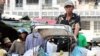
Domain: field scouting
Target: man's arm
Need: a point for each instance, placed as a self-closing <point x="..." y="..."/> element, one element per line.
<point x="12" y="48"/>
<point x="76" y="30"/>
<point x="77" y="26"/>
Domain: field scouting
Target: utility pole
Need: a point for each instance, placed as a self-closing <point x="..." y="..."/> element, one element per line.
<point x="40" y="8"/>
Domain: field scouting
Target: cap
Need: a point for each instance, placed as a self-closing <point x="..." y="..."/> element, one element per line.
<point x="68" y="3"/>
<point x="6" y="40"/>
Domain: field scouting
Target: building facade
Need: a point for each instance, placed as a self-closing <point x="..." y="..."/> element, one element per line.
<point x="89" y="10"/>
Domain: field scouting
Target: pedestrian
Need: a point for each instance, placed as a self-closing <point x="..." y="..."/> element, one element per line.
<point x="18" y="46"/>
<point x="33" y="40"/>
<point x="2" y="2"/>
<point x="70" y="18"/>
<point x="7" y="43"/>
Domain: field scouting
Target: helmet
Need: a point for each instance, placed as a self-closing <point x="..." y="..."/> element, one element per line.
<point x="22" y="30"/>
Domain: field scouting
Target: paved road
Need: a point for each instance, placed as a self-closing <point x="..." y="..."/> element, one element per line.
<point x="95" y="51"/>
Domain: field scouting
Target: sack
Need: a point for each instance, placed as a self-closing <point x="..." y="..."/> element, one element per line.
<point x="51" y="47"/>
<point x="79" y="51"/>
<point x="41" y="52"/>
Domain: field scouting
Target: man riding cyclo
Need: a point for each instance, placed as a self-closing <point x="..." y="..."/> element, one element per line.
<point x="73" y="20"/>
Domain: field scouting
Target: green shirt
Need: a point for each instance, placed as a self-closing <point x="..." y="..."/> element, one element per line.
<point x="82" y="40"/>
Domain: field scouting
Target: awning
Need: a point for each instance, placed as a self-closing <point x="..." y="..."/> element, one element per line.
<point x="46" y="20"/>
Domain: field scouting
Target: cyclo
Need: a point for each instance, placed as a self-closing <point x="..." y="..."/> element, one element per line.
<point x="59" y="41"/>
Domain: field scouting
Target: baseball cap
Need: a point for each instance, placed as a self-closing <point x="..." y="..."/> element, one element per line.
<point x="68" y="3"/>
